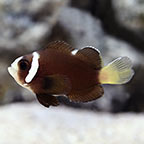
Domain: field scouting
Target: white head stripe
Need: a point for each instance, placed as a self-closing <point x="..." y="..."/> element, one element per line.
<point x="34" y="67"/>
<point x="14" y="64"/>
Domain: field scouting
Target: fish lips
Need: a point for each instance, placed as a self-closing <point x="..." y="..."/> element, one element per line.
<point x="12" y="71"/>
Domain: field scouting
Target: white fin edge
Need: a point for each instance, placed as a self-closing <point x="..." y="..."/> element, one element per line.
<point x="34" y="67"/>
<point x="74" y="51"/>
<point x="88" y="46"/>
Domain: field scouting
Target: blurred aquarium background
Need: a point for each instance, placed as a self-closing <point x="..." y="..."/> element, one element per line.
<point x="116" y="28"/>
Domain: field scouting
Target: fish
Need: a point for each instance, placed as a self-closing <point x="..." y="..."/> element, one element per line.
<point x="59" y="69"/>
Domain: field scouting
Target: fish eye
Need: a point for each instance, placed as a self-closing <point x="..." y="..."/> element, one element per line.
<point x="23" y="64"/>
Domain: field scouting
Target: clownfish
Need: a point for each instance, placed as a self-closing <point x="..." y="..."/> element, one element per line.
<point x="59" y="69"/>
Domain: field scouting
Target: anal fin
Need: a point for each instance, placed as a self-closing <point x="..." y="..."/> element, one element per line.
<point x="87" y="95"/>
<point x="47" y="100"/>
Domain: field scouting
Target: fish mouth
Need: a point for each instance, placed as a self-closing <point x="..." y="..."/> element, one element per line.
<point x="9" y="70"/>
<point x="12" y="71"/>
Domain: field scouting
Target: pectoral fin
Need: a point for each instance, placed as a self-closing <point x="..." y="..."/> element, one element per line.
<point x="56" y="84"/>
<point x="47" y="100"/>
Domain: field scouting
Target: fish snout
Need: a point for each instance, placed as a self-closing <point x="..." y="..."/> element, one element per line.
<point x="12" y="71"/>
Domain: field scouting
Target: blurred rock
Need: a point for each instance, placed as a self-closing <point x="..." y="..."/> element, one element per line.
<point x="84" y="4"/>
<point x="122" y="19"/>
<point x="23" y="24"/>
<point x="32" y="123"/>
<point x="114" y="48"/>
<point x="136" y="101"/>
<point x="78" y="28"/>
<point x="130" y="13"/>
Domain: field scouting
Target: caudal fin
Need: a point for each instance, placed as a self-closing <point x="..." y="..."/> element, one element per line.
<point x="118" y="71"/>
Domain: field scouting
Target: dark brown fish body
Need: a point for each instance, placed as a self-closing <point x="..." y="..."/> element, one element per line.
<point x="80" y="74"/>
<point x="56" y="70"/>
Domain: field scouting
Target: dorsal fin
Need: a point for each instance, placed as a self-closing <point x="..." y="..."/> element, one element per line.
<point x="90" y="55"/>
<point x="60" y="46"/>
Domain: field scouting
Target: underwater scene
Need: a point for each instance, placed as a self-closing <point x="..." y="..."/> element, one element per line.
<point x="71" y="72"/>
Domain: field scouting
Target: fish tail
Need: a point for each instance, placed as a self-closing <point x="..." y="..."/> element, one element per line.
<point x="118" y="71"/>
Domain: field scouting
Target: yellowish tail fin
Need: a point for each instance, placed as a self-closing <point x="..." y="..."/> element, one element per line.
<point x="118" y="71"/>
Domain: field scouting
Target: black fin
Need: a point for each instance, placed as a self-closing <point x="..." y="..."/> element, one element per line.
<point x="91" y="56"/>
<point x="56" y="84"/>
<point x="60" y="46"/>
<point x="87" y="95"/>
<point x="47" y="100"/>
